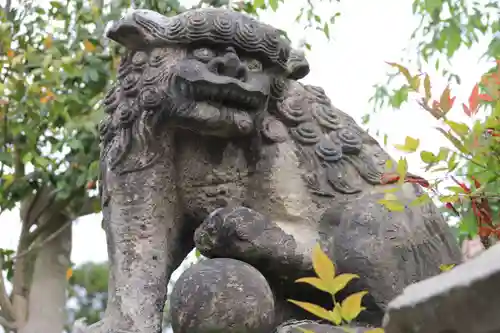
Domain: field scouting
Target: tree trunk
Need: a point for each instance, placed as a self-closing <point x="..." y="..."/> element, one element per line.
<point x="47" y="297"/>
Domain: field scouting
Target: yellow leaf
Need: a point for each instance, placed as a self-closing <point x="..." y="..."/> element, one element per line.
<point x="342" y="280"/>
<point x="323" y="266"/>
<point x="351" y="306"/>
<point x="427" y="88"/>
<point x="315" y="282"/>
<point x="410" y="145"/>
<point x="48" y="97"/>
<point x="449" y="198"/>
<point x="47" y="42"/>
<point x="403" y="70"/>
<point x="89" y="46"/>
<point x="392" y="205"/>
<point x="446" y="102"/>
<point x="316" y="310"/>
<point x="401" y="170"/>
<point x="390" y="196"/>
<point x="389" y="165"/>
<point x="336" y="315"/>
<point x="69" y="273"/>
<point x="445" y="268"/>
<point x="415" y="82"/>
<point x="375" y="330"/>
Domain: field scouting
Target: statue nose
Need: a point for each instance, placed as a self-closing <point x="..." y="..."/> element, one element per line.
<point x="229" y="65"/>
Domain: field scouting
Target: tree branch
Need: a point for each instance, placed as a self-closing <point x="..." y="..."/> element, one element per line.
<point x="36" y="246"/>
<point x="5" y="303"/>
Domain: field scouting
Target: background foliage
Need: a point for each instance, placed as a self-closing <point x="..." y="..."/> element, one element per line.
<point x="55" y="67"/>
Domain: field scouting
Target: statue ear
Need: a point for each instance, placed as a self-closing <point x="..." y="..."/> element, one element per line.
<point x="297" y="65"/>
<point x="132" y="35"/>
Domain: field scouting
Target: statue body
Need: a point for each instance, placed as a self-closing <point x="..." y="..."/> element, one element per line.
<point x="207" y="122"/>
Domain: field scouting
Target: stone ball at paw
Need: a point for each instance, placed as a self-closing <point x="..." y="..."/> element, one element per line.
<point x="222" y="295"/>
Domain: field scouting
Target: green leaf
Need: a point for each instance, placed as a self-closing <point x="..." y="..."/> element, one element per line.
<point x="258" y="3"/>
<point x="456" y="189"/>
<point x="410" y="145"/>
<point x="427" y="157"/>
<point x="326" y="30"/>
<point x="460" y="129"/>
<point x="456" y="142"/>
<point x="273" y="4"/>
<point x="420" y="200"/>
<point x="6" y="158"/>
<point x="400" y="96"/>
<point x="402" y="169"/>
<point x="443" y="154"/>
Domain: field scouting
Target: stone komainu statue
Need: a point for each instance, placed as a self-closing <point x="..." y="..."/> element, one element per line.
<point x="210" y="140"/>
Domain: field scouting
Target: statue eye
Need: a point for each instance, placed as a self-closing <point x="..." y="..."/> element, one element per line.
<point x="254" y="65"/>
<point x="203" y="54"/>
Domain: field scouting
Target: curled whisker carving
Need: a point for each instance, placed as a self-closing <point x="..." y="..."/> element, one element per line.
<point x="327" y="117"/>
<point x="306" y="133"/>
<point x="328" y="151"/>
<point x="351" y="142"/>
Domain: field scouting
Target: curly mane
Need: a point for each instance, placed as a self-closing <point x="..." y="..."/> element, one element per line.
<point x="338" y="154"/>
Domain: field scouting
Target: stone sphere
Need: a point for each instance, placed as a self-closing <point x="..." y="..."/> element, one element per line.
<point x="222" y="295"/>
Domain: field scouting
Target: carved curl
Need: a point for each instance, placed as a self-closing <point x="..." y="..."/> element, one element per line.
<point x="339" y="154"/>
<point x="136" y="104"/>
<point x="141" y="29"/>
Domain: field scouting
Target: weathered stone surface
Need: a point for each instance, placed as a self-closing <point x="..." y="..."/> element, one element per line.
<point x="363" y="238"/>
<point x="316" y="327"/>
<point x="463" y="300"/>
<point x="206" y="113"/>
<point x="222" y="295"/>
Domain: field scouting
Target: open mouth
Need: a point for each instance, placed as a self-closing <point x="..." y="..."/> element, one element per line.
<point x="229" y="95"/>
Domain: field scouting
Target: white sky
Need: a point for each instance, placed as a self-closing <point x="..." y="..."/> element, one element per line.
<point x="367" y="34"/>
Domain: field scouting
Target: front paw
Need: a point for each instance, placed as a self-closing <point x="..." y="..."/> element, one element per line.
<point x="218" y="233"/>
<point x="245" y="234"/>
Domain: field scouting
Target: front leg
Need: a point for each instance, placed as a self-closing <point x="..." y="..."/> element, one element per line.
<point x="143" y="229"/>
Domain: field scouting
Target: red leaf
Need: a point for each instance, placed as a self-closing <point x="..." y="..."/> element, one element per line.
<point x="477" y="184"/>
<point x="467" y="111"/>
<point x="435" y="104"/>
<point x="450" y="206"/>
<point x="474" y="100"/>
<point x="417" y="180"/>
<point x="462" y="185"/>
<point x="485" y="231"/>
<point x="389" y="178"/>
<point x="485" y="98"/>
<point x="452" y="101"/>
